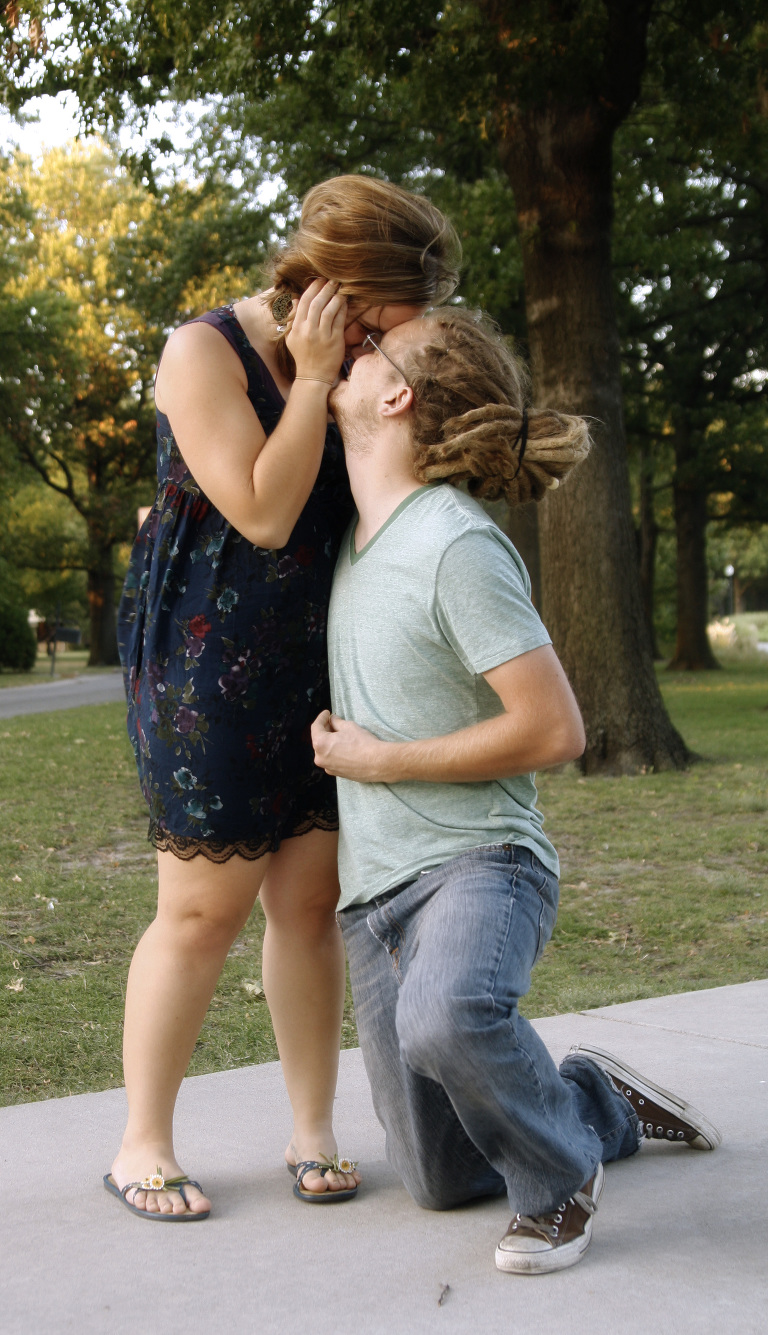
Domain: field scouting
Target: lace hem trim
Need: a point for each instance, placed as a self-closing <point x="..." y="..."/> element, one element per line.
<point x="220" y="850"/>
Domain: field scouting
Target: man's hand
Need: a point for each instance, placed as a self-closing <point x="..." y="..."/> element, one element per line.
<point x="348" y="751"/>
<point x="539" y="726"/>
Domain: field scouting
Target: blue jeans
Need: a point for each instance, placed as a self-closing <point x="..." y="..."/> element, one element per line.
<point x="470" y="1099"/>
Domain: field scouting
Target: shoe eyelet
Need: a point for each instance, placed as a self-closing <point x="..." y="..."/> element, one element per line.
<point x="555" y="1230"/>
<point x="681" y="1135"/>
<point x="659" y="1130"/>
<point x="670" y="1134"/>
<point x="558" y="1219"/>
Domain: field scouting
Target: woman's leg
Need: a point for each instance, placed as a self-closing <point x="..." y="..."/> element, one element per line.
<point x="304" y="983"/>
<point x="202" y="906"/>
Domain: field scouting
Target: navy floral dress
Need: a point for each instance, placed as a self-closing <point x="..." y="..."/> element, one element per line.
<point x="223" y="647"/>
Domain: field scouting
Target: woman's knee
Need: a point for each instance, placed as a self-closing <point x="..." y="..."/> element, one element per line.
<point x="309" y="908"/>
<point x="206" y="928"/>
<point x="204" y="903"/>
<point x="300" y="891"/>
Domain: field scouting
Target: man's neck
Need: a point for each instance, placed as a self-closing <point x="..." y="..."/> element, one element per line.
<point x="378" y="488"/>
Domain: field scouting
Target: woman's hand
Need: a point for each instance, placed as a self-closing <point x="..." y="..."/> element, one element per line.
<point x="315" y="338"/>
<point x="260" y="484"/>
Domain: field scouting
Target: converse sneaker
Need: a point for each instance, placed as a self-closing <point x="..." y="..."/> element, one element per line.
<point x="535" y="1244"/>
<point x="663" y="1116"/>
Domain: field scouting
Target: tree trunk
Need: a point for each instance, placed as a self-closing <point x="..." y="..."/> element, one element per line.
<point x="740" y="587"/>
<point x="559" y="164"/>
<point x="693" y="652"/>
<point x="101" y="604"/>
<point x="648" y="535"/>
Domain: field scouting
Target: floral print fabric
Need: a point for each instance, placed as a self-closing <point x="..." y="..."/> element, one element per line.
<point x="223" y="648"/>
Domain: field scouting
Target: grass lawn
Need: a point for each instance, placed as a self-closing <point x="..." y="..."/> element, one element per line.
<point x="664" y="886"/>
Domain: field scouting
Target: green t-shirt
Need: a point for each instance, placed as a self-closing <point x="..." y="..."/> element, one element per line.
<point x="437" y="597"/>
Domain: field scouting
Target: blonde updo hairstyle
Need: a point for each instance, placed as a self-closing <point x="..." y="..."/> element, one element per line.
<point x="470" y="392"/>
<point x="384" y="246"/>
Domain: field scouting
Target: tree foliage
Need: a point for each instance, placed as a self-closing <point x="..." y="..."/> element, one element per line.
<point x="472" y="100"/>
<point x="18" y="645"/>
<point x="97" y="269"/>
<point x="696" y="337"/>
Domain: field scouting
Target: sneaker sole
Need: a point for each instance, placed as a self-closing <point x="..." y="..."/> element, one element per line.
<point x="558" y="1258"/>
<point x="542" y="1263"/>
<point x="708" y="1137"/>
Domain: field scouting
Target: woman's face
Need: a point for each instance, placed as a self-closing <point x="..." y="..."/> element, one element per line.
<point x="374" y="320"/>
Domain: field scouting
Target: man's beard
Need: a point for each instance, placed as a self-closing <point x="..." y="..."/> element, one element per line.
<point x="355" y="424"/>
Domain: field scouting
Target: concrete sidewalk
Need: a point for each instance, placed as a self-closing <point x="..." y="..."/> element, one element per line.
<point x="679" y="1241"/>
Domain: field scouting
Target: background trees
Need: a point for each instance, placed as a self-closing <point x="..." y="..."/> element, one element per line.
<point x="515" y="117"/>
<point x="76" y="411"/>
<point x="695" y="331"/>
<point x="97" y="270"/>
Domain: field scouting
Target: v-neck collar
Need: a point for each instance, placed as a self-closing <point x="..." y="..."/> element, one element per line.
<point x="354" y="556"/>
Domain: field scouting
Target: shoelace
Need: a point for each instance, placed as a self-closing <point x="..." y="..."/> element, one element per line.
<point x="541" y="1223"/>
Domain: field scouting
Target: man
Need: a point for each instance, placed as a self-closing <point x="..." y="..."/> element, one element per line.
<point x="447" y="694"/>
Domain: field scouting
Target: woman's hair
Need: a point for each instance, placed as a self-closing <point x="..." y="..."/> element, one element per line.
<point x="469" y="419"/>
<point x="382" y="244"/>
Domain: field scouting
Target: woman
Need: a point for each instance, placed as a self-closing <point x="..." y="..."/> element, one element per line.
<point x="223" y="649"/>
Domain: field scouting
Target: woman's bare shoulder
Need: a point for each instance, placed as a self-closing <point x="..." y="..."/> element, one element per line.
<point x="198" y="352"/>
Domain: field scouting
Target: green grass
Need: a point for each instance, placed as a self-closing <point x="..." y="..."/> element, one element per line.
<point x="664" y="886"/>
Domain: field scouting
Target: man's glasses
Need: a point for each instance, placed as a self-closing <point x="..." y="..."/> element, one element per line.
<point x="370" y="339"/>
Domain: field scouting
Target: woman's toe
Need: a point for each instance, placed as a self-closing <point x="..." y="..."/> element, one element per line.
<point x="316" y="1182"/>
<point x="197" y="1203"/>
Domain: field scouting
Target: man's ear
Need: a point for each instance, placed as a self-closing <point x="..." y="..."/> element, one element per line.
<point x="398" y="400"/>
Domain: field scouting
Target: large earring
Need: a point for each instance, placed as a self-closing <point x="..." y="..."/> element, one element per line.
<point x="281" y="307"/>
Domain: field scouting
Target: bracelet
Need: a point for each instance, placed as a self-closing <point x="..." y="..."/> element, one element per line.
<point x="316" y="379"/>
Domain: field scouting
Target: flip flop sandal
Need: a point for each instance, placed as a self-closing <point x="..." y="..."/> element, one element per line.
<point x="335" y="1165"/>
<point x="156" y="1182"/>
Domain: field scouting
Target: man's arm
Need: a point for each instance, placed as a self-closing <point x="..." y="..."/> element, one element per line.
<point x="540" y="726"/>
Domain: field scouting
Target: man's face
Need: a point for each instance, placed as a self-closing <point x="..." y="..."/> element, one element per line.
<point x="376" y="320"/>
<point x="357" y="401"/>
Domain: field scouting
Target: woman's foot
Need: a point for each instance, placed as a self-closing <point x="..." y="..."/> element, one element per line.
<point x="137" y="1166"/>
<point x="307" y="1148"/>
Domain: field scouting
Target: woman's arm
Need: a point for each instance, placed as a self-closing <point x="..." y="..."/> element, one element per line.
<point x="259" y="483"/>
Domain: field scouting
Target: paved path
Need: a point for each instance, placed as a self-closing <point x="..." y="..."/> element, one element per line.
<point x="99" y="689"/>
<point x="679" y="1242"/>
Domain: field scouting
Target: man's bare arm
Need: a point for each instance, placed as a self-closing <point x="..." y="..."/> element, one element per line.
<point x="540" y="726"/>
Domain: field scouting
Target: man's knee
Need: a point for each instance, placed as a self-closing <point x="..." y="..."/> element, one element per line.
<point x="438" y="1029"/>
<point x="430" y="1197"/>
<point x="431" y="1183"/>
